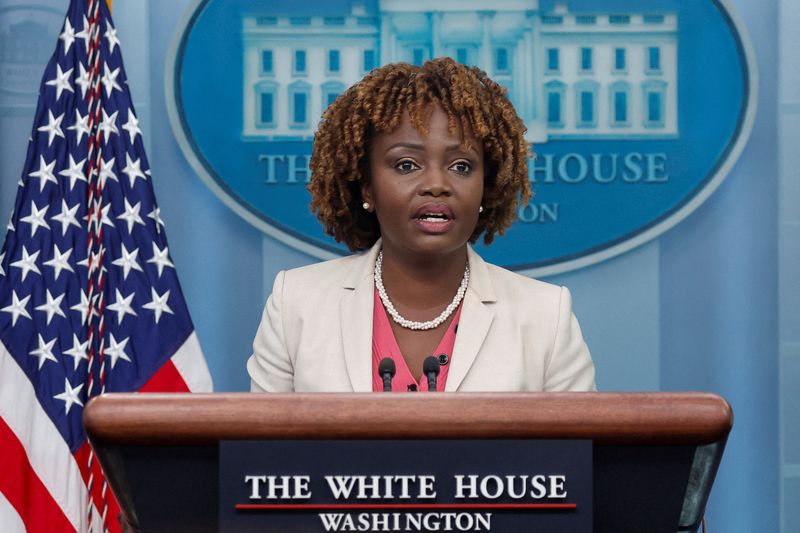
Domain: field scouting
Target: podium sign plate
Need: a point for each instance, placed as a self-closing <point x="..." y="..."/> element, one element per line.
<point x="419" y="485"/>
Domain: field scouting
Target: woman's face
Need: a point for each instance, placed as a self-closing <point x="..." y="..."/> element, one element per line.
<point x="425" y="189"/>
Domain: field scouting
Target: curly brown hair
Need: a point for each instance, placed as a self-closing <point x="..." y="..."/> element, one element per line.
<point x="472" y="102"/>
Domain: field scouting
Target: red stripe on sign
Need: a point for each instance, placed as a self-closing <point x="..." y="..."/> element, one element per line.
<point x="166" y="379"/>
<point x="112" y="509"/>
<point x="352" y="506"/>
<point x="22" y="487"/>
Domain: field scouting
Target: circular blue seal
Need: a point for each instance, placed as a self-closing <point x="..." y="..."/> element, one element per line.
<point x="636" y="111"/>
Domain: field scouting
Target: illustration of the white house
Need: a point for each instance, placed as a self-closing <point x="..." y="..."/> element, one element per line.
<point x="569" y="75"/>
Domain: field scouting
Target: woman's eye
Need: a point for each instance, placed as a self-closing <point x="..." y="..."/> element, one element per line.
<point x="406" y="166"/>
<point x="462" y="167"/>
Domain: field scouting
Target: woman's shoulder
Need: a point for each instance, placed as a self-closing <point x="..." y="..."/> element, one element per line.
<point x="332" y="273"/>
<point x="507" y="283"/>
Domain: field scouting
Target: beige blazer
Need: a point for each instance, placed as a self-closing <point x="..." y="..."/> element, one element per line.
<point x="514" y="334"/>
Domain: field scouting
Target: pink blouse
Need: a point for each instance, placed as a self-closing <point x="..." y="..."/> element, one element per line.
<point x="384" y="344"/>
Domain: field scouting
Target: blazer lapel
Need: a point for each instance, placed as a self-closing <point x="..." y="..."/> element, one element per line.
<point x="356" y="309"/>
<point x="476" y="319"/>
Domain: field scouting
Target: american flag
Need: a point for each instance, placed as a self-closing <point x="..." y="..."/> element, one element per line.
<point x="89" y="298"/>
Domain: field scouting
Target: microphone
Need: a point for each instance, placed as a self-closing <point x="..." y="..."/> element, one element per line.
<point x="430" y="367"/>
<point x="386" y="370"/>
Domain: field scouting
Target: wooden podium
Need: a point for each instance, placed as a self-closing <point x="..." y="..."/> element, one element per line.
<point x="655" y="454"/>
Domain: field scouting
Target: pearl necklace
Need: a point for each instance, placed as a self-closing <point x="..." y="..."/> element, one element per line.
<point x="410" y="324"/>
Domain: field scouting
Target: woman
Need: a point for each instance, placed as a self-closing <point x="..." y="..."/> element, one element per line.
<point x="410" y="165"/>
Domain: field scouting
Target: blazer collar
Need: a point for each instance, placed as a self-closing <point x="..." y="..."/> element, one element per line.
<point x="476" y="319"/>
<point x="357" y="306"/>
<point x="356" y="309"/>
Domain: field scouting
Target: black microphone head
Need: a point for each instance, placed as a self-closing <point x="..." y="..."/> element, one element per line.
<point x="431" y="364"/>
<point x="387" y="366"/>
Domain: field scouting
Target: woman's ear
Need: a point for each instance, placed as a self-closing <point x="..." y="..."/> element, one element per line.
<point x="366" y="195"/>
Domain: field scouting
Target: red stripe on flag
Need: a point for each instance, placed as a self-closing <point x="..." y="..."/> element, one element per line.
<point x="24" y="490"/>
<point x="166" y="379"/>
<point x="112" y="513"/>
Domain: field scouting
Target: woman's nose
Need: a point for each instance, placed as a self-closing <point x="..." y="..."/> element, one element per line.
<point x="435" y="182"/>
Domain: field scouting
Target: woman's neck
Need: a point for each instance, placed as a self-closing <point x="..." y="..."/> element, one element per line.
<point x="422" y="283"/>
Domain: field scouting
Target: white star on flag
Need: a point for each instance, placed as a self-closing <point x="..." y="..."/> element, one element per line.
<point x="160" y="258"/>
<point x="155" y="214"/>
<point x="70" y="396"/>
<point x="36" y="218"/>
<point x="133" y="170"/>
<point x="107" y="171"/>
<point x="109" y="79"/>
<point x="59" y="262"/>
<point x="131" y="215"/>
<point x="128" y="262"/>
<point x="116" y="350"/>
<point x="95" y="260"/>
<point x="17" y="307"/>
<point x="78" y="351"/>
<point x="85" y="33"/>
<point x="2" y="257"/>
<point x="83" y="80"/>
<point x="45" y="172"/>
<point x="74" y="172"/>
<point x="132" y="126"/>
<point x="67" y="36"/>
<point x="27" y="263"/>
<point x="108" y="125"/>
<point x="122" y="305"/>
<point x="111" y="36"/>
<point x="67" y="216"/>
<point x="45" y="351"/>
<point x="159" y="304"/>
<point x="52" y="307"/>
<point x="80" y="126"/>
<point x="53" y="127"/>
<point x="61" y="81"/>
<point x="83" y="306"/>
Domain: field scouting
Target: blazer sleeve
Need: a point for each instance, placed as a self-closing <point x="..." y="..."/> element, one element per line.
<point x="270" y="367"/>
<point x="570" y="366"/>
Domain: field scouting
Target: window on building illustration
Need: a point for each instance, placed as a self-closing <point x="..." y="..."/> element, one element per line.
<point x="266" y="62"/>
<point x="619" y="59"/>
<point x="462" y="56"/>
<point x="333" y="61"/>
<point x="418" y="56"/>
<point x="501" y="60"/>
<point x="554" y="108"/>
<point x="330" y="91"/>
<point x="653" y="19"/>
<point x="554" y="100"/>
<point x="299" y="62"/>
<point x="586" y="59"/>
<point x="369" y="60"/>
<point x="620" y="107"/>
<point x="619" y="19"/>
<point x="552" y="60"/>
<point x="654" y="107"/>
<point x="586" y="19"/>
<point x="587" y="106"/>
<point x="654" y="103"/>
<point x="586" y="103"/>
<point x="653" y="59"/>
<point x="300" y="111"/>
<point x="267" y="108"/>
<point x="299" y="102"/>
<point x="266" y="92"/>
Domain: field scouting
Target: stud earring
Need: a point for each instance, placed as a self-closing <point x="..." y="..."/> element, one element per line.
<point x="365" y="205"/>
<point x="480" y="209"/>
